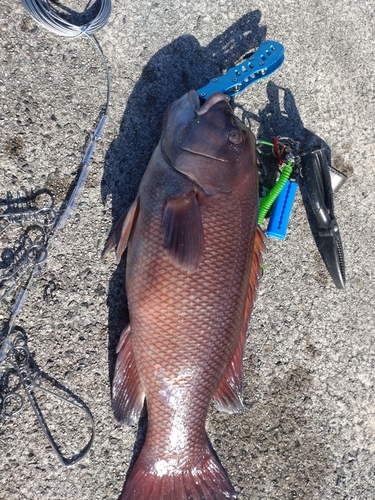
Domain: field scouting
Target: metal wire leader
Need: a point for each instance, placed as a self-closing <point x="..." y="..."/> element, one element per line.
<point x="42" y="12"/>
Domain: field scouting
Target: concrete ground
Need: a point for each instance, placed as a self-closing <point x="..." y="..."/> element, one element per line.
<point x="309" y="428"/>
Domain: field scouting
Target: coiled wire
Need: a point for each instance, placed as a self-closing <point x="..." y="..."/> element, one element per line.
<point x="49" y="18"/>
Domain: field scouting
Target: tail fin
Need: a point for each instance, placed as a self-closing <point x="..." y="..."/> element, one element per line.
<point x="207" y="480"/>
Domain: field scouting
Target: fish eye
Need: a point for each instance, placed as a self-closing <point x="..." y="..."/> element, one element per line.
<point x="235" y="136"/>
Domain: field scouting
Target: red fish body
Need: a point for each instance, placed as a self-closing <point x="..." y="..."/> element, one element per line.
<point x="192" y="269"/>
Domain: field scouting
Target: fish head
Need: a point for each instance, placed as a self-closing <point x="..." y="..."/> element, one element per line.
<point x="208" y="143"/>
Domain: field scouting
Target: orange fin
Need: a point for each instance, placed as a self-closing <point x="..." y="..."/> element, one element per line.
<point x="255" y="274"/>
<point x="127" y="393"/>
<point x="120" y="236"/>
<point x="183" y="231"/>
<point x="207" y="480"/>
<point x="228" y="396"/>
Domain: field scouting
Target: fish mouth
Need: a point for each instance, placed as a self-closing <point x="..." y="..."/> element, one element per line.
<point x="211" y="101"/>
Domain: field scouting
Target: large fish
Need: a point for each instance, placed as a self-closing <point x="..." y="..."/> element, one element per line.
<point x="193" y="261"/>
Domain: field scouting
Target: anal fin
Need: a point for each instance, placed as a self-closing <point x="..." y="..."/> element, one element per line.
<point x="228" y="396"/>
<point x="127" y="392"/>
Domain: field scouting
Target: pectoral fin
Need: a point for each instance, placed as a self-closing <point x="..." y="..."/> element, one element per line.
<point x="120" y="236"/>
<point x="183" y="231"/>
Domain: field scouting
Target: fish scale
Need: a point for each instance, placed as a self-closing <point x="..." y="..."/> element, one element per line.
<point x="191" y="321"/>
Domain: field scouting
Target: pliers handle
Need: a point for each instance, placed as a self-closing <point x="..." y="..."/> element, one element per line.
<point x="264" y="61"/>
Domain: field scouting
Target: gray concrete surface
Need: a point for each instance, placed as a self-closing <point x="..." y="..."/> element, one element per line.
<point x="309" y="430"/>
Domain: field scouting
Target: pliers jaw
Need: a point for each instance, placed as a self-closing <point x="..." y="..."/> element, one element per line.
<point x="316" y="178"/>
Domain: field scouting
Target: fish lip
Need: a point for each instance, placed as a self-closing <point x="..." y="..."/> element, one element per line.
<point x="194" y="100"/>
<point x="211" y="101"/>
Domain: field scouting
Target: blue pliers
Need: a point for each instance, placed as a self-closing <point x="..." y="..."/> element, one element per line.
<point x="264" y="61"/>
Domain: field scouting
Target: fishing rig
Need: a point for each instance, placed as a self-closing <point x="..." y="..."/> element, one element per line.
<point x="41" y="223"/>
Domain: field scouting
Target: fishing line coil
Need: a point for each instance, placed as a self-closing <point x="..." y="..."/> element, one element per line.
<point x="51" y="19"/>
